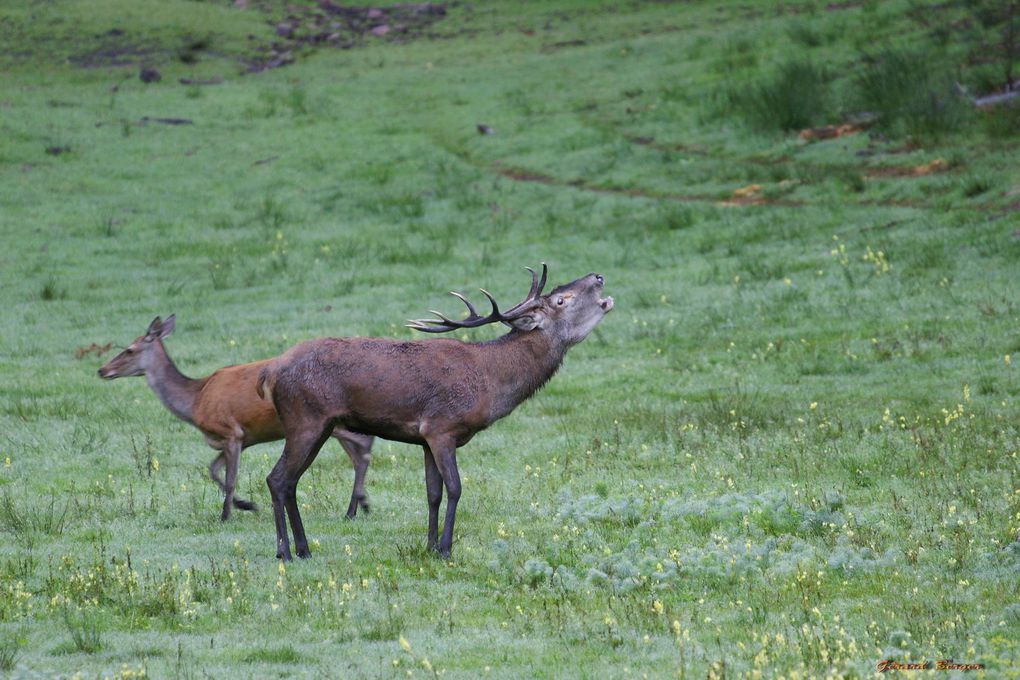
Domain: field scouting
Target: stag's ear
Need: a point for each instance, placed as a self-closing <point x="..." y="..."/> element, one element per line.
<point x="530" y="321"/>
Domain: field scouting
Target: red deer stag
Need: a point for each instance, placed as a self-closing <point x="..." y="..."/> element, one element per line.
<point x="436" y="393"/>
<point x="225" y="408"/>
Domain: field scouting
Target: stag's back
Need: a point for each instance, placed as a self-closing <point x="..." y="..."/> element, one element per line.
<point x="391" y="388"/>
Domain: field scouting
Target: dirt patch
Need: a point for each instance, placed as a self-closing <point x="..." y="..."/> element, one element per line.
<point x="116" y="49"/>
<point x="325" y="24"/>
<point x="329" y="24"/>
<point x="937" y="166"/>
<point x="749" y="197"/>
<point x="651" y="143"/>
<point x="829" y="132"/>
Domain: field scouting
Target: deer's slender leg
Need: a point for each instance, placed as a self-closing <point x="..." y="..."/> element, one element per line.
<point x="276" y="481"/>
<point x="359" y="449"/>
<point x="444" y="453"/>
<point x="298" y="453"/>
<point x="296" y="525"/>
<point x="214" y="470"/>
<point x="232" y="454"/>
<point x="214" y="473"/>
<point x="434" y="490"/>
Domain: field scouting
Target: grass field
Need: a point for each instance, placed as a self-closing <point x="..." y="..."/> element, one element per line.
<point x="791" y="451"/>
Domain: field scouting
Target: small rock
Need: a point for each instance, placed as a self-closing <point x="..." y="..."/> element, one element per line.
<point x="485" y="129"/>
<point x="150" y="75"/>
<point x="284" y="30"/>
<point x="381" y="30"/>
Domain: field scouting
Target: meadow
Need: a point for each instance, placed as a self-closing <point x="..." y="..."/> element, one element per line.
<point x="790" y="451"/>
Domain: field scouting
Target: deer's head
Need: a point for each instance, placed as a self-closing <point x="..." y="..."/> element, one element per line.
<point x="138" y="357"/>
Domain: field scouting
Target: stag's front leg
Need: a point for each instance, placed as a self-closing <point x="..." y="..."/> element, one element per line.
<point x="277" y="481"/>
<point x="444" y="452"/>
<point x="299" y="457"/>
<point x="434" y="491"/>
<point x="298" y="452"/>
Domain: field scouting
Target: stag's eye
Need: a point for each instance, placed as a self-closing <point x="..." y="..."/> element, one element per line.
<point x="559" y="301"/>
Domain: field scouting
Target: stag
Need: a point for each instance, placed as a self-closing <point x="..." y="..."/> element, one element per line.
<point x="225" y="408"/>
<point x="435" y="393"/>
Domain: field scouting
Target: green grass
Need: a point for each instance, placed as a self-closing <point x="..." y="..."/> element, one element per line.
<point x="792" y="448"/>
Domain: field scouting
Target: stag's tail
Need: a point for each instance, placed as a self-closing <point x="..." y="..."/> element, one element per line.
<point x="265" y="382"/>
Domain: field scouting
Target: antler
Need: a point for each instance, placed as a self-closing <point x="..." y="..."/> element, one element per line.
<point x="444" y="324"/>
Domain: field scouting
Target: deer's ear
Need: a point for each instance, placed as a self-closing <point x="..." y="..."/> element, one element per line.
<point x="529" y="321"/>
<point x="155" y="328"/>
<point x="168" y="326"/>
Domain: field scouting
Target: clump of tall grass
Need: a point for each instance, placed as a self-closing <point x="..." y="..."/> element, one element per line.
<point x="9" y="653"/>
<point x="910" y="94"/>
<point x="85" y="630"/>
<point x="795" y="95"/>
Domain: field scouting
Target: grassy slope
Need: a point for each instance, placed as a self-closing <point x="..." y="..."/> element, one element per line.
<point x="807" y="461"/>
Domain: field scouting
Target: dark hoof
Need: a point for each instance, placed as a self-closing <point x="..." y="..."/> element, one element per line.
<point x="284" y="556"/>
<point x="244" y="505"/>
<point x="304" y="554"/>
<point x="365" y="507"/>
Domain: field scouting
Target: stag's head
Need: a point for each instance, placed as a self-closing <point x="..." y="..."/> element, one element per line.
<point x="137" y="357"/>
<point x="568" y="313"/>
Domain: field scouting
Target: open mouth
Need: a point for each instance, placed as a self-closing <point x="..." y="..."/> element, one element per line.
<point x="606" y="304"/>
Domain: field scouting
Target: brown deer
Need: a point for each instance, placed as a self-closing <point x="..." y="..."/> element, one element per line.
<point x="436" y="393"/>
<point x="225" y="408"/>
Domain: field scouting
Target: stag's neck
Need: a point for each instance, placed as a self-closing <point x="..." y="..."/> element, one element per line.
<point x="519" y="365"/>
<point x="177" y="391"/>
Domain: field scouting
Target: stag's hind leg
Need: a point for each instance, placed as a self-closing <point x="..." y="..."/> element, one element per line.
<point x="298" y="453"/>
<point x="434" y="491"/>
<point x="444" y="456"/>
<point x="359" y="449"/>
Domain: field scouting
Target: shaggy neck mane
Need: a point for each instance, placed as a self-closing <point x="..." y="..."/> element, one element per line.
<point x="518" y="365"/>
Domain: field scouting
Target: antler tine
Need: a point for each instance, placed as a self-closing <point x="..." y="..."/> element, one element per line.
<point x="536" y="285"/>
<point x="422" y="325"/>
<point x="471" y="308"/>
<point x="532" y="300"/>
<point x="496" y="316"/>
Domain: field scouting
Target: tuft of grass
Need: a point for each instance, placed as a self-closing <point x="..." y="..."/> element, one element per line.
<point x="83" y="625"/>
<point x="792" y="96"/>
<point x="910" y="93"/>
<point x="52" y="290"/>
<point x="10" y="652"/>
<point x="977" y="185"/>
<point x="283" y="654"/>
